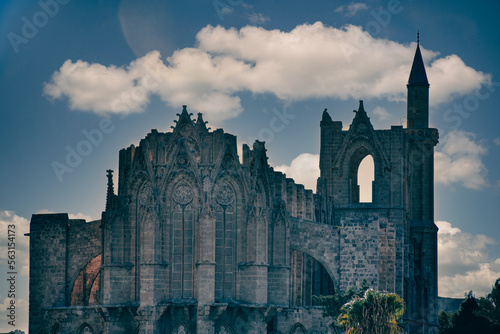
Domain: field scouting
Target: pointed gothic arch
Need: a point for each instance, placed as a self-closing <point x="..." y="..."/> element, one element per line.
<point x="85" y="329"/>
<point x="298" y="328"/>
<point x="181" y="328"/>
<point x="86" y="287"/>
<point x="182" y="240"/>
<point x="226" y="244"/>
<point x="365" y="178"/>
<point x="224" y="329"/>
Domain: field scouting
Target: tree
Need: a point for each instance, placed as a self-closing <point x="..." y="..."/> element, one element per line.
<point x="489" y="306"/>
<point x="444" y="322"/>
<point x="374" y="313"/>
<point x="475" y="315"/>
<point x="334" y="303"/>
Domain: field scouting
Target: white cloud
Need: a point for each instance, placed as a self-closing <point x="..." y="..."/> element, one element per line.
<point x="22" y="311"/>
<point x="496" y="141"/>
<point x="351" y="9"/>
<point x="311" y="61"/>
<point x="227" y="10"/>
<point x="21" y="226"/>
<point x="464" y="262"/>
<point x="304" y="169"/>
<point x="381" y="113"/>
<point x="258" y="18"/>
<point x="70" y="215"/>
<point x="459" y="161"/>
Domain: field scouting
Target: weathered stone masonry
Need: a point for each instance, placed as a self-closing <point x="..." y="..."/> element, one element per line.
<point x="197" y="241"/>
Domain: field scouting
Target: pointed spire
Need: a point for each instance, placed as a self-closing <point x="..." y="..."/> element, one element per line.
<point x="326" y="116"/>
<point x="201" y="124"/>
<point x="361" y="108"/>
<point x="111" y="191"/>
<point x="417" y="73"/>
<point x="184" y="117"/>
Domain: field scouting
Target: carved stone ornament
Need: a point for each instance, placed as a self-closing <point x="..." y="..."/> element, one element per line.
<point x="227" y="162"/>
<point x="224" y="195"/>
<point x="183" y="194"/>
<point x="86" y="330"/>
<point x="180" y="330"/>
<point x="182" y="161"/>
<point x="146" y="195"/>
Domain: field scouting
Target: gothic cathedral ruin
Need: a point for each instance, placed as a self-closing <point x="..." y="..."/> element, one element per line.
<point x="198" y="241"/>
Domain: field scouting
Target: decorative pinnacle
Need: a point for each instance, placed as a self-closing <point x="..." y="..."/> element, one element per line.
<point x="361" y="107"/>
<point x="418" y="36"/>
<point x="111" y="191"/>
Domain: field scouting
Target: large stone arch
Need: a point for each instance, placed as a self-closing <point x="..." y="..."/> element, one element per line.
<point x="319" y="241"/>
<point x="87" y="283"/>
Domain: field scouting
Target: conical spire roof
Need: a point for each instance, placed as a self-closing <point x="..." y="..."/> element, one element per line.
<point x="201" y="124"/>
<point x="326" y="116"/>
<point x="417" y="73"/>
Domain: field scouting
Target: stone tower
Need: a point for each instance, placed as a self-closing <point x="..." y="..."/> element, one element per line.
<point x="391" y="241"/>
<point x="421" y="287"/>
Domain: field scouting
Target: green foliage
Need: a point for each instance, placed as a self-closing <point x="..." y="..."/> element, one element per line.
<point x="364" y="311"/>
<point x="489" y="306"/>
<point x="334" y="303"/>
<point x="444" y="322"/>
<point x="475" y="315"/>
<point x="374" y="313"/>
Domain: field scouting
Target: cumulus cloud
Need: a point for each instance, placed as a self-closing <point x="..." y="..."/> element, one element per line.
<point x="70" y="215"/>
<point x="304" y="169"/>
<point x="464" y="262"/>
<point x="21" y="226"/>
<point x="351" y="9"/>
<point x="258" y="18"/>
<point x="459" y="161"/>
<point x="381" y="113"/>
<point x="22" y="310"/>
<point x="310" y="61"/>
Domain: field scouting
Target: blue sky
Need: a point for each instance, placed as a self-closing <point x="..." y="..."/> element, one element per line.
<point x="114" y="70"/>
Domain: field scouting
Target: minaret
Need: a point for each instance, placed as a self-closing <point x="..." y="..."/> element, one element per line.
<point x="422" y="142"/>
<point x="418" y="93"/>
<point x="421" y="288"/>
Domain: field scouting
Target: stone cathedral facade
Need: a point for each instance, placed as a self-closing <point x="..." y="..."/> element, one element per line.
<point x="200" y="240"/>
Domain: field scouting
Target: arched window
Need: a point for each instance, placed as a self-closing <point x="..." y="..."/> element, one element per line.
<point x="183" y="243"/>
<point x="298" y="329"/>
<point x="85" y="329"/>
<point x="366" y="176"/>
<point x="361" y="176"/>
<point x="181" y="329"/>
<point x="225" y="242"/>
<point x="224" y="329"/>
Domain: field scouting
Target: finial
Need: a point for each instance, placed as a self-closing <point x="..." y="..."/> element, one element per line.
<point x="418" y="36"/>
<point x="326" y="117"/>
<point x="111" y="191"/>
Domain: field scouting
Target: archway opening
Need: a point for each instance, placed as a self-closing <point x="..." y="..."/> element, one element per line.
<point x="309" y="278"/>
<point x="366" y="176"/>
<point x="86" y="289"/>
